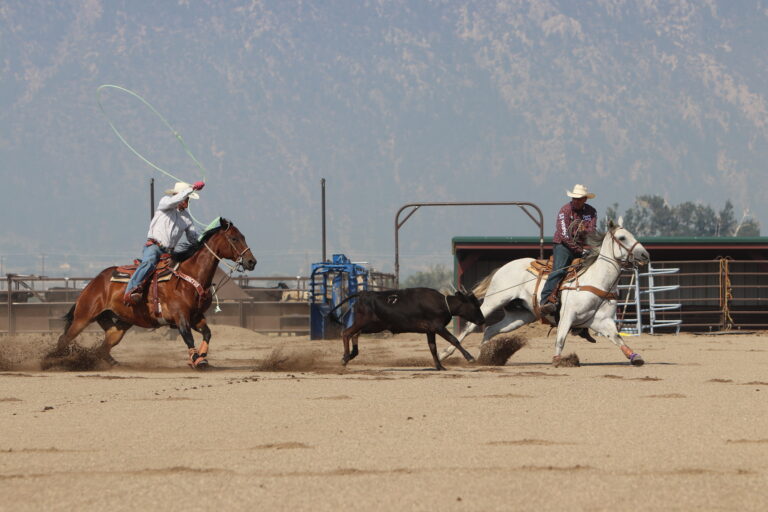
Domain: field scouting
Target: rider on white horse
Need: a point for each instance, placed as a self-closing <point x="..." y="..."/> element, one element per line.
<point x="575" y="220"/>
<point x="170" y="221"/>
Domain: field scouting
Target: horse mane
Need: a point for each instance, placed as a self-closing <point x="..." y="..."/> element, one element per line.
<point x="595" y="241"/>
<point x="193" y="247"/>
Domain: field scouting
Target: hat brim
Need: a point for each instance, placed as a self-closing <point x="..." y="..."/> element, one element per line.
<point x="577" y="196"/>
<point x="172" y="192"/>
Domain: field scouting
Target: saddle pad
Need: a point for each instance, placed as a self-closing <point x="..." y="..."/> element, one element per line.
<point x="545" y="267"/>
<point x="123" y="274"/>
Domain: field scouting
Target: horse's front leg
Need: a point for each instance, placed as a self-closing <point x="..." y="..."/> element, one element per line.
<point x="202" y="327"/>
<point x="606" y="326"/>
<point x="194" y="361"/>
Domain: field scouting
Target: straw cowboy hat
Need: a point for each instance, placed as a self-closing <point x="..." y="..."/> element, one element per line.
<point x="580" y="191"/>
<point x="180" y="186"/>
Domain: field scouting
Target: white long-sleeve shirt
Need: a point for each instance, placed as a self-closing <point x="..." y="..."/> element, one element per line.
<point x="168" y="223"/>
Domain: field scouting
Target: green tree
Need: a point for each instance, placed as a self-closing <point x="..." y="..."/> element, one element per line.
<point x="437" y="276"/>
<point x="653" y="216"/>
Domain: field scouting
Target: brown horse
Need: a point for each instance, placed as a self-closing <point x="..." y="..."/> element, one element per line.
<point x="183" y="299"/>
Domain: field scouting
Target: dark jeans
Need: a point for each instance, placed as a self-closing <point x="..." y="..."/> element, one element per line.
<point x="562" y="257"/>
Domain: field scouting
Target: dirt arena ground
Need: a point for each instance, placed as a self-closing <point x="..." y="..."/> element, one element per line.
<point x="278" y="424"/>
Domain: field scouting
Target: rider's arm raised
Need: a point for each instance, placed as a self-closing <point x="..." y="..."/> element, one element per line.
<point x="171" y="202"/>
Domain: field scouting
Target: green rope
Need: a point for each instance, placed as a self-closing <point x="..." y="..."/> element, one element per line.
<point x="165" y="122"/>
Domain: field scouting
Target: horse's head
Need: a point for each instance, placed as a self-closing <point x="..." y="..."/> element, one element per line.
<point x="229" y="243"/>
<point x="624" y="246"/>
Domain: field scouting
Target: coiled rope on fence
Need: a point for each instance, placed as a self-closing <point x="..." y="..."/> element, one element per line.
<point x="726" y="294"/>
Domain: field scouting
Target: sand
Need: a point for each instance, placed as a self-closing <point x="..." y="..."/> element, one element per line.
<point x="278" y="424"/>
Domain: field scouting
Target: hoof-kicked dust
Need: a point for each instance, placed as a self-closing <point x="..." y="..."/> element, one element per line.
<point x="24" y="352"/>
<point x="281" y="361"/>
<point x="411" y="362"/>
<point x="76" y="358"/>
<point x="498" y="351"/>
<point x="569" y="361"/>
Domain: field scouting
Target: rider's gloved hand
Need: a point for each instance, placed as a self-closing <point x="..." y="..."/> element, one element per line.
<point x="198" y="185"/>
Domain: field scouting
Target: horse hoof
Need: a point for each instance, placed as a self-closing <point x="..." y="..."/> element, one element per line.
<point x="636" y="360"/>
<point x="198" y="364"/>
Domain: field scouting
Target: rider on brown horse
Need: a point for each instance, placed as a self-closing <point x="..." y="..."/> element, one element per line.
<point x="170" y="221"/>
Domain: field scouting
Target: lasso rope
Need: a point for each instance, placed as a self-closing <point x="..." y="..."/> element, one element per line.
<point x="164" y="121"/>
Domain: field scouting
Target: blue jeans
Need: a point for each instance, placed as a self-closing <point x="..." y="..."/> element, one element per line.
<point x="149" y="258"/>
<point x="562" y="257"/>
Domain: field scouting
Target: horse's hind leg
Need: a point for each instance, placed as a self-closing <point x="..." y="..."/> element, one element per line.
<point x="114" y="330"/>
<point x="512" y="320"/>
<point x="76" y="323"/>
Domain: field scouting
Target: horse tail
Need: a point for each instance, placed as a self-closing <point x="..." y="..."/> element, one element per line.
<point x="481" y="287"/>
<point x="69" y="317"/>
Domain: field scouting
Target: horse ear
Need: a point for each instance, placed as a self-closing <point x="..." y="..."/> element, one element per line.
<point x="620" y="222"/>
<point x="611" y="225"/>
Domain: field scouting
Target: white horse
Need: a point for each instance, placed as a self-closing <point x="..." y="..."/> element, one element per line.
<point x="588" y="301"/>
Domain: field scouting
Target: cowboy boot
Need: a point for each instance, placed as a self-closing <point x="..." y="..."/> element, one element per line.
<point x="548" y="308"/>
<point x="132" y="297"/>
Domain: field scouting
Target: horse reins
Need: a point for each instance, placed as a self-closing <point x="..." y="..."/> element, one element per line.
<point x="232" y="268"/>
<point x="622" y="264"/>
<point x="239" y="259"/>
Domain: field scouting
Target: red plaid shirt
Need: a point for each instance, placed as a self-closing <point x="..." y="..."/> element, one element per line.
<point x="572" y="226"/>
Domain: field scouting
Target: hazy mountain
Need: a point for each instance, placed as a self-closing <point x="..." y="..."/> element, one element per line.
<point x="391" y="101"/>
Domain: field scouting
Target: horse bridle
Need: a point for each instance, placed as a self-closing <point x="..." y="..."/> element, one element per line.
<point x="630" y="261"/>
<point x="238" y="266"/>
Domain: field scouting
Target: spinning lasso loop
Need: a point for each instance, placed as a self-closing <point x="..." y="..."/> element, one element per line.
<point x="165" y="122"/>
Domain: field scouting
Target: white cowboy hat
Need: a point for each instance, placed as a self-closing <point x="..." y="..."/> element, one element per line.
<point x="579" y="191"/>
<point x="180" y="186"/>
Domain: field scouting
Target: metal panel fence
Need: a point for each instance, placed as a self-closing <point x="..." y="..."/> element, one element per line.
<point x="714" y="295"/>
<point x="276" y="304"/>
